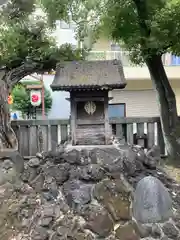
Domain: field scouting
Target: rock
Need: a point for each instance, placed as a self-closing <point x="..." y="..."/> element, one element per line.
<point x="37" y="183"/>
<point x="63" y="231"/>
<point x="50" y="188"/>
<point x="129" y="161"/>
<point x="176" y="219"/>
<point x="82" y="236"/>
<point x="91" y="172"/>
<point x="152" y="202"/>
<point x="7" y="164"/>
<point x="3" y="177"/>
<point x="29" y="173"/>
<point x="155" y="231"/>
<point x="59" y="172"/>
<point x="165" y="238"/>
<point x="34" y="162"/>
<point x="126" y="232"/>
<point x="48" y="196"/>
<point x="62" y="206"/>
<point x="142" y="230"/>
<point x="88" y="173"/>
<point x="26" y="213"/>
<point x="53" y="236"/>
<point x="39" y="155"/>
<point x="115" y="168"/>
<point x="9" y="175"/>
<point x="94" y="154"/>
<point x="140" y="157"/>
<point x="18" y="161"/>
<point x="115" y="197"/>
<point x="73" y="157"/>
<point x="60" y="147"/>
<point x="48" y="211"/>
<point x="170" y="230"/>
<point x="45" y="222"/>
<point x="39" y="233"/>
<point x="153" y="157"/>
<point x="55" y="157"/>
<point x="25" y="223"/>
<point x="74" y="172"/>
<point x="97" y="220"/>
<point x="103" y="156"/>
<point x="77" y="193"/>
<point x="140" y="154"/>
<point x="85" y="157"/>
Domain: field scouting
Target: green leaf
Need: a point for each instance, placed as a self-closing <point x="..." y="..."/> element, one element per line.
<point x="26" y="36"/>
<point x="152" y="28"/>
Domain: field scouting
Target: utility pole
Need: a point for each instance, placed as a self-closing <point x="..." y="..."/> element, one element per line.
<point x="43" y="97"/>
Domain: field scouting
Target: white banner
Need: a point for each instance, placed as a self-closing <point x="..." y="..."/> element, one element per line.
<point x="35" y="97"/>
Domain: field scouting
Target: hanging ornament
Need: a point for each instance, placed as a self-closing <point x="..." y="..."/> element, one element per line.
<point x="90" y="107"/>
<point x="35" y="97"/>
<point x="10" y="99"/>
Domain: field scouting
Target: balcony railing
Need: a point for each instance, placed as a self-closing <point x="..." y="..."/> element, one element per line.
<point x="168" y="59"/>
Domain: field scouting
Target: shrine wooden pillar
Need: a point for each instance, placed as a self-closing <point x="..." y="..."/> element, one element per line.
<point x="73" y="115"/>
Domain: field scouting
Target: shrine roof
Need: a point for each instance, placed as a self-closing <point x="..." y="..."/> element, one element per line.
<point x="89" y="75"/>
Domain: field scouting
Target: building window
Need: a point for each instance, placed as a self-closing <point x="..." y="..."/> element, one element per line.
<point x="175" y="60"/>
<point x="115" y="47"/>
<point x="117" y="110"/>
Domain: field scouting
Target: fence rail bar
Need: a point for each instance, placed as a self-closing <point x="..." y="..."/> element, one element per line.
<point x="66" y="121"/>
<point x="39" y="122"/>
<point x="134" y="120"/>
<point x="44" y="135"/>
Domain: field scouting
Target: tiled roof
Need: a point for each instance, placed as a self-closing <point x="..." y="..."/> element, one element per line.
<point x="89" y="74"/>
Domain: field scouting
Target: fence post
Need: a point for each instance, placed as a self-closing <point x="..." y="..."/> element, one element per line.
<point x="130" y="138"/>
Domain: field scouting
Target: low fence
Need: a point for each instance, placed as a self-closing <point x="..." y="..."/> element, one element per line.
<point x="38" y="135"/>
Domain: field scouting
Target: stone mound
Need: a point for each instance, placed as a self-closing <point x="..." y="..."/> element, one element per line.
<point x="84" y="195"/>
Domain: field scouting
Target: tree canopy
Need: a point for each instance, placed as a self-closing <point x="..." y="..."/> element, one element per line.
<point x="26" y="47"/>
<point x="26" y="42"/>
<point x="145" y="26"/>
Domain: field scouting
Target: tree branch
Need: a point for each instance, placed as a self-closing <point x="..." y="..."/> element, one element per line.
<point x="16" y="74"/>
<point x="142" y="19"/>
<point x="165" y="48"/>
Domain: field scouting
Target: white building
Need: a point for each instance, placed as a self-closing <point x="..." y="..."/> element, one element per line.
<point x="65" y="33"/>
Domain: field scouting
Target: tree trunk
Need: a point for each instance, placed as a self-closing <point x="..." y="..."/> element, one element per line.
<point x="7" y="136"/>
<point x="167" y="106"/>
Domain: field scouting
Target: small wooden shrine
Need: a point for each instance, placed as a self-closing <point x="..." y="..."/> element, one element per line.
<point x="89" y="83"/>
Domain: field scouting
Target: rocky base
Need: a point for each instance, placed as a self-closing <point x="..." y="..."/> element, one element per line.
<point x="82" y="195"/>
